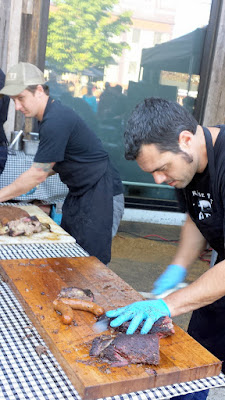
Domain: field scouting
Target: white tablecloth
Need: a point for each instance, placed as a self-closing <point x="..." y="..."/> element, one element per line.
<point x="51" y="191"/>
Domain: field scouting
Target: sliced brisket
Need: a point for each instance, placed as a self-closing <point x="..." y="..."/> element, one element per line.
<point x="120" y="349"/>
<point x="127" y="349"/>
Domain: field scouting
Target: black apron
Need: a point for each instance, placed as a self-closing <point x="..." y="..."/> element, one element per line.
<point x="89" y="217"/>
<point x="3" y="156"/>
<point x="207" y="324"/>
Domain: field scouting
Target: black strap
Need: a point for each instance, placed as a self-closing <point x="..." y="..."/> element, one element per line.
<point x="210" y="154"/>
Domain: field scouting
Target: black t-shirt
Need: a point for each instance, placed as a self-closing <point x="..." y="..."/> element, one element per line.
<point x="201" y="195"/>
<point x="206" y="194"/>
<point x="80" y="158"/>
<point x="4" y="105"/>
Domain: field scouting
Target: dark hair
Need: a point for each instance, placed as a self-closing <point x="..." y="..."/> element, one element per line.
<point x="33" y="88"/>
<point x="89" y="89"/>
<point x="157" y="121"/>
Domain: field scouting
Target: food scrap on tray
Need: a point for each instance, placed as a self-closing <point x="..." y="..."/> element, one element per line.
<point x="17" y="222"/>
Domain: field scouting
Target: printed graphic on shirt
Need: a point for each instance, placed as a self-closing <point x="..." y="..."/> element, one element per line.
<point x="202" y="203"/>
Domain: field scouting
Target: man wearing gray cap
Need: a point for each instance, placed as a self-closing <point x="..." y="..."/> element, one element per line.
<point x="94" y="205"/>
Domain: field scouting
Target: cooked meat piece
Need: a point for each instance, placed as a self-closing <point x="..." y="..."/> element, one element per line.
<point x="11" y="213"/>
<point x="163" y="327"/>
<point x="24" y="226"/>
<point x="120" y="349"/>
<point x="76" y="293"/>
<point x="100" y="343"/>
<point x="3" y="229"/>
<point x="127" y="349"/>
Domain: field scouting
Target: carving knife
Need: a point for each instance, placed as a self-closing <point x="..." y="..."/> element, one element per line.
<point x="102" y="324"/>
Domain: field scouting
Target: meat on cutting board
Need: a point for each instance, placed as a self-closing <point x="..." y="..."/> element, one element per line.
<point x="163" y="327"/>
<point x="120" y="349"/>
<point x="76" y="293"/>
<point x="15" y="221"/>
<point x="126" y="349"/>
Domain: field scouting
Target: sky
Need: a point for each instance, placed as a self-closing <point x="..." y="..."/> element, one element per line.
<point x="190" y="15"/>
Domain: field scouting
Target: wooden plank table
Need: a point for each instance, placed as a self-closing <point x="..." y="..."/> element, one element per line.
<point x="36" y="283"/>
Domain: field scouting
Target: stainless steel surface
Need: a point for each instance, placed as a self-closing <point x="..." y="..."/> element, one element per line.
<point x="16" y="140"/>
<point x="30" y="146"/>
<point x="32" y="136"/>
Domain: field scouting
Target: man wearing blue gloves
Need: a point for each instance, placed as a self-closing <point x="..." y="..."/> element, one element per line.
<point x="171" y="277"/>
<point x="166" y="141"/>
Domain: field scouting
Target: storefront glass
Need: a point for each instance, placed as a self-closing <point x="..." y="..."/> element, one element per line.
<point x="105" y="57"/>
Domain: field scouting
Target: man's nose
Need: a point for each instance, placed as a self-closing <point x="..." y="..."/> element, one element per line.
<point x="159" y="177"/>
<point x="17" y="105"/>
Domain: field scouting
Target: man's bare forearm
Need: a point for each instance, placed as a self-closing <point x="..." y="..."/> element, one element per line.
<point x="26" y="181"/>
<point x="208" y="288"/>
<point x="191" y="244"/>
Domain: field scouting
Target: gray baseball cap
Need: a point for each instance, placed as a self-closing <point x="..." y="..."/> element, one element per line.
<point x="20" y="76"/>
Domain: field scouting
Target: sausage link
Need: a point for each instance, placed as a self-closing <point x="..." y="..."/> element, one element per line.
<point x="84" y="305"/>
<point x="65" y="310"/>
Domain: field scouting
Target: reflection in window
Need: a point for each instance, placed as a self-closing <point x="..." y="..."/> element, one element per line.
<point x="136" y="36"/>
<point x="158" y="54"/>
<point x="132" y="68"/>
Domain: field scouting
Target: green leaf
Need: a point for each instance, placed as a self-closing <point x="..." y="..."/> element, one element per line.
<point x="81" y="34"/>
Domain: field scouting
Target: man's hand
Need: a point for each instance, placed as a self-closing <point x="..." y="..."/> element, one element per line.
<point x="170" y="278"/>
<point x="148" y="310"/>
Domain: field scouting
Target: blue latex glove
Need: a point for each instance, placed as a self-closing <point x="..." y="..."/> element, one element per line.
<point x="170" y="278"/>
<point x="30" y="192"/>
<point x="148" y="310"/>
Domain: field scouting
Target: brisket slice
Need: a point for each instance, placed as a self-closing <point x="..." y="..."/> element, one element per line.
<point x="127" y="349"/>
<point x="120" y="349"/>
<point x="163" y="327"/>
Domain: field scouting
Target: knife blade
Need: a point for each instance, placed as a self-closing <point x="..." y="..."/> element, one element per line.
<point x="102" y="324"/>
<point x="151" y="296"/>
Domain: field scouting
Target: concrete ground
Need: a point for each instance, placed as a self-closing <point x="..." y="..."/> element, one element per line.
<point x="140" y="253"/>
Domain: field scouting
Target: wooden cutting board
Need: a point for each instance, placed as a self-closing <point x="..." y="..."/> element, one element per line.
<point x="36" y="283"/>
<point x="57" y="234"/>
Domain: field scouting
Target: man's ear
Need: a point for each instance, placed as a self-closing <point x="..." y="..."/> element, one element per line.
<point x="185" y="140"/>
<point x="39" y="90"/>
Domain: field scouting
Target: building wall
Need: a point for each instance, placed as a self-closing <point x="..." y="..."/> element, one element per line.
<point x="214" y="112"/>
<point x="152" y="23"/>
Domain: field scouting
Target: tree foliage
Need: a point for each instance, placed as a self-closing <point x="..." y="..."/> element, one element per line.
<point x="81" y="34"/>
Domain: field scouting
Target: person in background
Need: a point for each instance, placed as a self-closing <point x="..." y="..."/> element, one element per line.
<point x="118" y="107"/>
<point x="90" y="98"/>
<point x="106" y="100"/>
<point x="94" y="206"/>
<point x="4" y="105"/>
<point x="167" y="141"/>
<point x="82" y="108"/>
